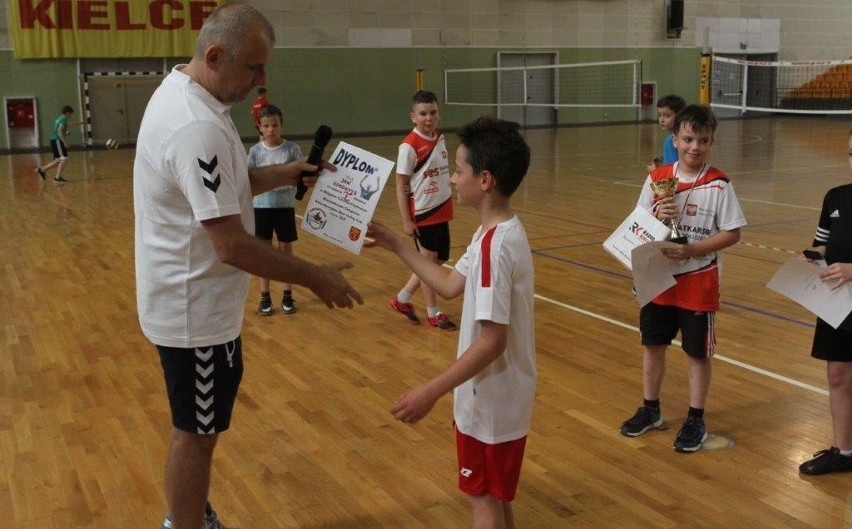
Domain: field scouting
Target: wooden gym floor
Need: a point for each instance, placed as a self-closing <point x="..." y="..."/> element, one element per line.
<point x="84" y="419"/>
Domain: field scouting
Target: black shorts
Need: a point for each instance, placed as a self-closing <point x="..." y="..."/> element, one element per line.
<point x="202" y="385"/>
<point x="831" y="344"/>
<point x="435" y="238"/>
<point x="60" y="152"/>
<point x="659" y="325"/>
<point x="278" y="221"/>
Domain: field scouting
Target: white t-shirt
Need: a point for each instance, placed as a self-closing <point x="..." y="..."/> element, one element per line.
<point x="495" y="406"/>
<point x="190" y="166"/>
<point x="261" y="155"/>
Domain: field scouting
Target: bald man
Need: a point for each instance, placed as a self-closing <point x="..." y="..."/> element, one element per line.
<point x="195" y="248"/>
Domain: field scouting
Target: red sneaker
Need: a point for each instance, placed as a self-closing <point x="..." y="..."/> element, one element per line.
<point x="442" y="322"/>
<point x="406" y="309"/>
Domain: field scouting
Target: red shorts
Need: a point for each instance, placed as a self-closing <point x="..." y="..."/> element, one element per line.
<point x="489" y="469"/>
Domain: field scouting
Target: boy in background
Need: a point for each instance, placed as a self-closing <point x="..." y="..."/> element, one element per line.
<point x="833" y="240"/>
<point x="494" y="376"/>
<point x="59" y="145"/>
<point x="275" y="211"/>
<point x="259" y="103"/>
<point x="667" y="108"/>
<point x="425" y="201"/>
<point x="706" y="210"/>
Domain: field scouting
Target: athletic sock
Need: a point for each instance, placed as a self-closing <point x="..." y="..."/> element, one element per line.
<point x="846" y="453"/>
<point x="432" y="311"/>
<point x="403" y="296"/>
<point x="655" y="404"/>
<point x="698" y="413"/>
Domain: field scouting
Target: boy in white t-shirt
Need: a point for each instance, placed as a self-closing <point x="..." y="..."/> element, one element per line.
<point x="493" y="378"/>
<point x="275" y="211"/>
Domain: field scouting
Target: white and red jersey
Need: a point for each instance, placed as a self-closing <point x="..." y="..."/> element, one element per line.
<point x="426" y="161"/>
<point x="706" y="205"/>
<point x="495" y="405"/>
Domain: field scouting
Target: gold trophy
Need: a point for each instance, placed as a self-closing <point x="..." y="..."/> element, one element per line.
<point x="666" y="188"/>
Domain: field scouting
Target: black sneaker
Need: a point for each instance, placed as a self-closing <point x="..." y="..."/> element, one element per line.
<point x="644" y="419"/>
<point x="58" y="181"/>
<point x="288" y="305"/>
<point x="265" y="307"/>
<point x="691" y="435"/>
<point x="826" y="461"/>
<point x="40" y="172"/>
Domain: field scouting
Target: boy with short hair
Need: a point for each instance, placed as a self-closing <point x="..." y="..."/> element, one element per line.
<point x="275" y="211"/>
<point x="667" y="108"/>
<point x="425" y="201"/>
<point x="493" y="378"/>
<point x="833" y="240"/>
<point x="706" y="210"/>
<point x="59" y="145"/>
<point x="259" y="103"/>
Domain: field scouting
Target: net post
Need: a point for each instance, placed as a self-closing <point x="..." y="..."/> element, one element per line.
<point x="704" y="81"/>
<point x="418" y="75"/>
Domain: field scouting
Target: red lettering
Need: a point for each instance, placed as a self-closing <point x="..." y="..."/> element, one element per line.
<point x="31" y="13"/>
<point x="158" y="14"/>
<point x="198" y="12"/>
<point x="95" y="14"/>
<point x="87" y="12"/>
<point x="65" y="14"/>
<point x="122" y="17"/>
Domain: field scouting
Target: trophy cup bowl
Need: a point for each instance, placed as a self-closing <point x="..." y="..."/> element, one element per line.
<point x="666" y="188"/>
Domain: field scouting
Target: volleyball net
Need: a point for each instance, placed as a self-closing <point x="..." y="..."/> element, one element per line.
<point x="801" y="87"/>
<point x="613" y="84"/>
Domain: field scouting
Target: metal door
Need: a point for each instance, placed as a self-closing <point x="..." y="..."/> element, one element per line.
<point x="536" y="89"/>
<point x="117" y="104"/>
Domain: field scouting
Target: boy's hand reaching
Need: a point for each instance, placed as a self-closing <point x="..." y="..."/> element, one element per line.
<point x="382" y="236"/>
<point x="413" y="405"/>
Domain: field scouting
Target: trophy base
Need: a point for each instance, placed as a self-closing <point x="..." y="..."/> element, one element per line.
<point x="678" y="240"/>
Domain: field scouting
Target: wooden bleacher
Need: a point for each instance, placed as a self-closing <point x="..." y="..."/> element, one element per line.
<point x="831" y="90"/>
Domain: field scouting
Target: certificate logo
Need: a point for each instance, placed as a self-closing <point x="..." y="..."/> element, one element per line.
<point x="354" y="233"/>
<point x="317" y="218"/>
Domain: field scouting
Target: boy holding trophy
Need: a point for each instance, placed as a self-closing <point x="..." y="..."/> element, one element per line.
<point x="702" y="209"/>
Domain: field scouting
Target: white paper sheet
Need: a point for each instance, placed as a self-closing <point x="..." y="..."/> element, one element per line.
<point x="638" y="228"/>
<point x="343" y="202"/>
<point x="652" y="274"/>
<point x="799" y="280"/>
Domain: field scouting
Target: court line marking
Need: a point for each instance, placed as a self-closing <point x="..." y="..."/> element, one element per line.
<point x="741" y="199"/>
<point x="771" y="203"/>
<point x="737" y="363"/>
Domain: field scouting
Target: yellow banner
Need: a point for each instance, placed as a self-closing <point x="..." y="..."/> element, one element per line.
<point x="43" y="29"/>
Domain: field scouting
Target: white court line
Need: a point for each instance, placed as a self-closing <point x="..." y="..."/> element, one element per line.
<point x="748" y="367"/>
<point x="771" y="203"/>
<point x="741" y="199"/>
<point x="754" y="369"/>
